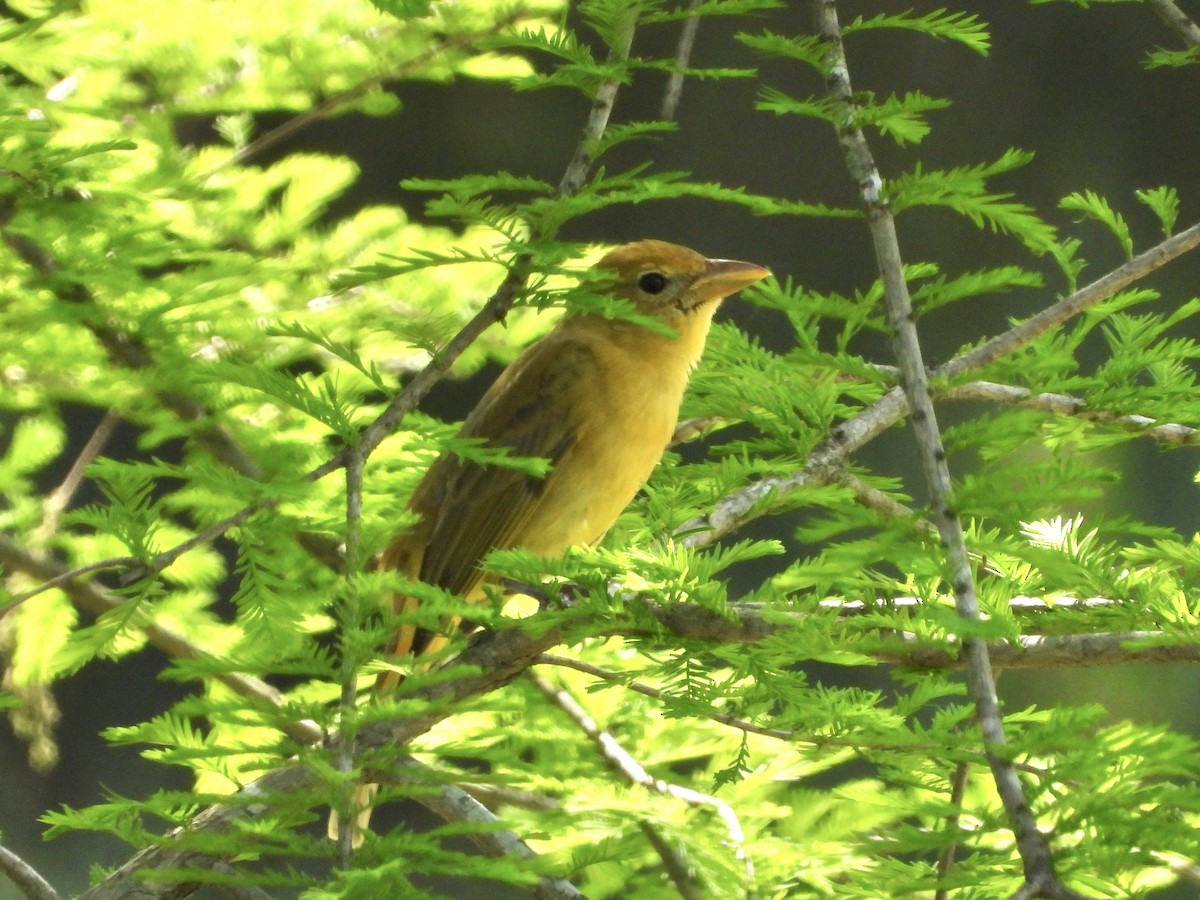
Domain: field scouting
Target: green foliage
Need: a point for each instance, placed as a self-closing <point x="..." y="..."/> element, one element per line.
<point x="245" y="331"/>
<point x="965" y="28"/>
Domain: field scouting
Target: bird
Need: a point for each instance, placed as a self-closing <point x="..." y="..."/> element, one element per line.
<point x="598" y="398"/>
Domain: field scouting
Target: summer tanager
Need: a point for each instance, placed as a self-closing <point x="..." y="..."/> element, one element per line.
<point x="598" y="398"/>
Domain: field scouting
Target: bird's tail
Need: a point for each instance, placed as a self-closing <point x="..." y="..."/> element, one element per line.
<point x="361" y="803"/>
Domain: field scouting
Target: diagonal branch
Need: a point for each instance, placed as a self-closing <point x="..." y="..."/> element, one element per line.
<point x="1177" y="20"/>
<point x="748" y="503"/>
<point x="27" y="879"/>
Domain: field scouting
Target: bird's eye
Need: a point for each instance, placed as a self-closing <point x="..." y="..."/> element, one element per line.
<point x="652" y="282"/>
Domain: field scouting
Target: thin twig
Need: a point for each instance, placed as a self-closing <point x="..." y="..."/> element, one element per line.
<point x="67" y="576"/>
<point x="1049" y="401"/>
<point x="1083" y="299"/>
<point x="350" y="609"/>
<point x="874" y="499"/>
<point x="454" y="803"/>
<point x="602" y="106"/>
<point x="683" y="55"/>
<point x="958" y="789"/>
<point x="60" y="498"/>
<point x="1177" y="20"/>
<point x="1076" y="407"/>
<point x="25" y="877"/>
<point x="674" y="861"/>
<point x="633" y="771"/>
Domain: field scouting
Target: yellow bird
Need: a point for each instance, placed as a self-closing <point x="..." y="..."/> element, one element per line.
<point x="598" y="398"/>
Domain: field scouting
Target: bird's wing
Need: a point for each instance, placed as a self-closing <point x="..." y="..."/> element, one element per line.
<point x="475" y="508"/>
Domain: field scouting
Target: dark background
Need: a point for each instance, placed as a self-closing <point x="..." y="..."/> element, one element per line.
<point x="1064" y="82"/>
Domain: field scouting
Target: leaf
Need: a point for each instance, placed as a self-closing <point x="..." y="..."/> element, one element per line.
<point x="965" y="28"/>
<point x="806" y="48"/>
<point x="403" y="9"/>
<point x="1095" y="207"/>
<point x="965" y="190"/>
<point x="901" y="118"/>
<point x="1164" y="201"/>
<point x="340" y="349"/>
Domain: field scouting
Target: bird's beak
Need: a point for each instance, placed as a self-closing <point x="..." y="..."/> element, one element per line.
<point x="722" y="277"/>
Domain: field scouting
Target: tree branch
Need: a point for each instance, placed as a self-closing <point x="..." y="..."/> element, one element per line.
<point x="1177" y="20"/>
<point x="492" y="660"/>
<point x="683" y="54"/>
<point x="455" y="804"/>
<point x="1076" y="407"/>
<point x="59" y="498"/>
<point x="746" y="504"/>
<point x="26" y="879"/>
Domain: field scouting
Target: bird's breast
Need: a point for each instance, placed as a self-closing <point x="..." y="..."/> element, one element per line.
<point x="623" y="424"/>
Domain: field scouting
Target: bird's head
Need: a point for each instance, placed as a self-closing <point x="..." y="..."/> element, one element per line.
<point x="674" y="284"/>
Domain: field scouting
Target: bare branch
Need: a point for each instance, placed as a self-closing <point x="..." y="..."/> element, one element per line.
<point x="683" y="55"/>
<point x="1083" y="299"/>
<point x="59" y="498"/>
<point x="1076" y="407"/>
<point x="456" y="804"/>
<point x="958" y="789"/>
<point x="350" y="611"/>
<point x="67" y="576"/>
<point x="1177" y="20"/>
<point x="602" y="106"/>
<point x="25" y="877"/>
<point x="675" y="863"/>
<point x="1047" y="401"/>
